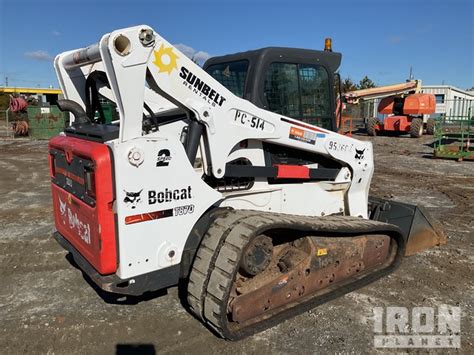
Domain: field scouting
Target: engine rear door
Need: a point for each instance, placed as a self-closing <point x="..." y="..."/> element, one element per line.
<point x="82" y="189"/>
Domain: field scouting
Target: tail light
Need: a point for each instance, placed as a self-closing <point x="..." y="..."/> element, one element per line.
<point x="89" y="181"/>
<point x="52" y="165"/>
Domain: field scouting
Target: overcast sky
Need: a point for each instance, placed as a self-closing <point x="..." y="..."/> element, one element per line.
<point x="381" y="39"/>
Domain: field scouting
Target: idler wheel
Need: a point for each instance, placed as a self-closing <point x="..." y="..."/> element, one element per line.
<point x="257" y="255"/>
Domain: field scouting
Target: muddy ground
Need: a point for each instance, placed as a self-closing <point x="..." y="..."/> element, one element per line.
<point x="46" y="306"/>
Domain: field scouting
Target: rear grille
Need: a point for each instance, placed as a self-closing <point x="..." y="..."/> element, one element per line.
<point x="74" y="174"/>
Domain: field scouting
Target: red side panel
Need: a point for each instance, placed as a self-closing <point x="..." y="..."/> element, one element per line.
<point x="84" y="217"/>
<point x="292" y="172"/>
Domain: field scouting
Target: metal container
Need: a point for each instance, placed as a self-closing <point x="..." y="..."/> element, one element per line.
<point x="45" y="122"/>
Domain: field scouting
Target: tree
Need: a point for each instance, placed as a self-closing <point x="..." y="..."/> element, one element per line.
<point x="348" y="85"/>
<point x="366" y="83"/>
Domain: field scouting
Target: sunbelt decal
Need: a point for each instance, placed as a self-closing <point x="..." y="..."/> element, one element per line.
<point x="199" y="87"/>
<point x="166" y="60"/>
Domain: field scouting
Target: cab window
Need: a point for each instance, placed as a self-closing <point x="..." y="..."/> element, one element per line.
<point x="281" y="89"/>
<point x="232" y="75"/>
<point x="299" y="91"/>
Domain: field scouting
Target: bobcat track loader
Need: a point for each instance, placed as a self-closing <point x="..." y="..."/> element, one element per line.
<point x="228" y="178"/>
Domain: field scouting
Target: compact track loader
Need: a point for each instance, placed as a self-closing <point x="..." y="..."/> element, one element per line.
<point x="228" y="179"/>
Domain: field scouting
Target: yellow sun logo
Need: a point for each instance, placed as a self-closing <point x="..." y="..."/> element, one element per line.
<point x="165" y="59"/>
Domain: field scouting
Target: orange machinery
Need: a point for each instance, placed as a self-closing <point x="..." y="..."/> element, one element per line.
<point x="403" y="104"/>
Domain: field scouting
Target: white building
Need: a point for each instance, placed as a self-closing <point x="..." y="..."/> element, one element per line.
<point x="451" y="101"/>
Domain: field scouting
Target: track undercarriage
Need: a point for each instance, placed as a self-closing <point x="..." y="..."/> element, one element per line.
<point x="256" y="269"/>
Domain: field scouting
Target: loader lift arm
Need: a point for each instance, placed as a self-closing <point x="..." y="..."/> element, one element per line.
<point x="226" y="119"/>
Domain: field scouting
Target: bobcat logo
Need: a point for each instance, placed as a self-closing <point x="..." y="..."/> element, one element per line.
<point x="62" y="207"/>
<point x="360" y="154"/>
<point x="132" y="198"/>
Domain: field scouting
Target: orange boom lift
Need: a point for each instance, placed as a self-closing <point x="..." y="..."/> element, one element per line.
<point x="404" y="105"/>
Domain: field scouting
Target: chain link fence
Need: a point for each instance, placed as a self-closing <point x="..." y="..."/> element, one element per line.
<point x="5" y="124"/>
<point x="360" y="112"/>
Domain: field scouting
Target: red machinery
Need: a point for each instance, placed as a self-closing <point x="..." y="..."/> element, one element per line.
<point x="404" y="106"/>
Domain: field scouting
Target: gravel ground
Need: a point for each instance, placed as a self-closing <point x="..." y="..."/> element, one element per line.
<point x="46" y="306"/>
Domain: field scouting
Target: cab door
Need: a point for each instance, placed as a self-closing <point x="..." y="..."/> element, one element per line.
<point x="300" y="91"/>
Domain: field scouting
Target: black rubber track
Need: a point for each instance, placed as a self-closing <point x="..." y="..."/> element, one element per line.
<point x="217" y="260"/>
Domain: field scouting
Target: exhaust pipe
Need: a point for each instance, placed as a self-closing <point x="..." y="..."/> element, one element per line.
<point x="80" y="116"/>
<point x="421" y="231"/>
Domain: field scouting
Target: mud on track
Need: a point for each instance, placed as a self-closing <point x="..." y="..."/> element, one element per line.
<point x="47" y="306"/>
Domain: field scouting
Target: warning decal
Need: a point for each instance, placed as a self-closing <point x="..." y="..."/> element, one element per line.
<point x="302" y="135"/>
